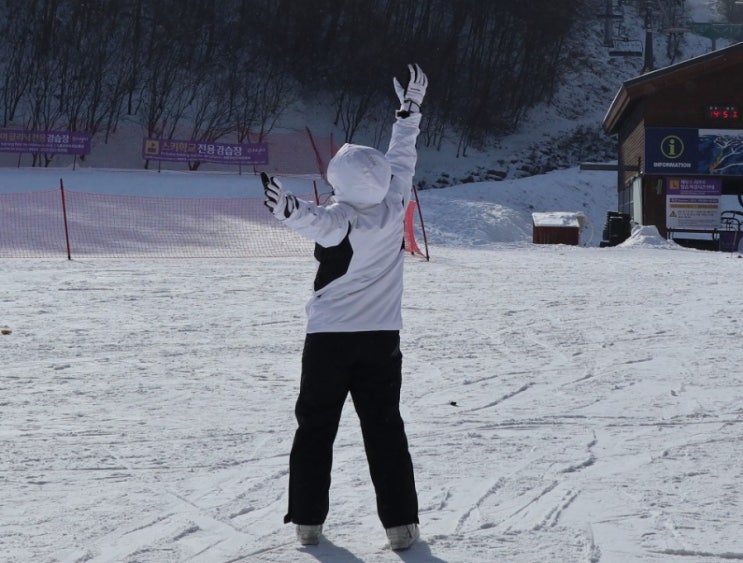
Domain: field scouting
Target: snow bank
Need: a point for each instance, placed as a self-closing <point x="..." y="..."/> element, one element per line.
<point x="647" y="236"/>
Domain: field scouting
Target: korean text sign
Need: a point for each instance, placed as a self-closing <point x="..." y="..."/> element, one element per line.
<point x="48" y="142"/>
<point x="202" y="151"/>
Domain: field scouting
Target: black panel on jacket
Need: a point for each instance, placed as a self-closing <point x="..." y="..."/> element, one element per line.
<point x="334" y="261"/>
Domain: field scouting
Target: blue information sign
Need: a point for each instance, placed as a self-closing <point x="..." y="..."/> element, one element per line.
<point x="693" y="151"/>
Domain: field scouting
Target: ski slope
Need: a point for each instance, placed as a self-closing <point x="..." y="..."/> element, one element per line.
<point x="566" y="404"/>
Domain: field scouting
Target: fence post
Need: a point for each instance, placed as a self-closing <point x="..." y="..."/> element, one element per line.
<point x="423" y="225"/>
<point x="317" y="194"/>
<point x="320" y="161"/>
<point x="64" y="216"/>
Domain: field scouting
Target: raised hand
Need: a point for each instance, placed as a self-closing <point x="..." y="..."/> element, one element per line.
<point x="411" y="96"/>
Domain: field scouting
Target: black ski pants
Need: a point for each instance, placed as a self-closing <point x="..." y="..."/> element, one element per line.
<point x="368" y="365"/>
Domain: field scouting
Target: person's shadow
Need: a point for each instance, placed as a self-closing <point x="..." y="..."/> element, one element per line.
<point x="420" y="552"/>
<point x="328" y="552"/>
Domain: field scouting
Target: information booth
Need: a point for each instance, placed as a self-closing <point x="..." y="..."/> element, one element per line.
<point x="680" y="149"/>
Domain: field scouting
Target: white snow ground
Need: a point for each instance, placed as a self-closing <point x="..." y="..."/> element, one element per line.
<point x="563" y="404"/>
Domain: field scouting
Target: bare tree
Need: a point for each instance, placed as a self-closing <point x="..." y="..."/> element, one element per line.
<point x="206" y="69"/>
<point x="44" y="113"/>
<point x="263" y="93"/>
<point x="91" y="75"/>
<point x="41" y="103"/>
<point x="732" y="10"/>
<point x="15" y="33"/>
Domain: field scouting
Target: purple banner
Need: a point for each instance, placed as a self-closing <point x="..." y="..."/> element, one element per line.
<point x="49" y="142"/>
<point x="694" y="186"/>
<point x="201" y="151"/>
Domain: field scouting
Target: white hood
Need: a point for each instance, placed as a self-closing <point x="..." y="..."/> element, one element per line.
<point x="360" y="175"/>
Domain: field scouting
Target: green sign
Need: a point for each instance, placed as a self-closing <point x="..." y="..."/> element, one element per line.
<point x="715" y="30"/>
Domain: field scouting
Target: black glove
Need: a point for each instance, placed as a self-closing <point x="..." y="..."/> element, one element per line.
<point x="411" y="97"/>
<point x="281" y="203"/>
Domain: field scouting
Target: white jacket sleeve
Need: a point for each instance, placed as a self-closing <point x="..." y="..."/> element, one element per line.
<point x="327" y="226"/>
<point x="402" y="154"/>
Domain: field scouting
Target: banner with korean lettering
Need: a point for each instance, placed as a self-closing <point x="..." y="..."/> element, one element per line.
<point x="693" y="203"/>
<point x="48" y="142"/>
<point x="200" y="151"/>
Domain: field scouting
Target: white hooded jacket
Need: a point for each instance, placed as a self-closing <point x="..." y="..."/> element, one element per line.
<point x="359" y="236"/>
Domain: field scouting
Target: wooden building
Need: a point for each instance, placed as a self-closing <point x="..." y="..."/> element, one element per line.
<point x="680" y="147"/>
<point x="557" y="227"/>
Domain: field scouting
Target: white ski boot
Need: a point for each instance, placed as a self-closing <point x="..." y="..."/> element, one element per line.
<point x="309" y="534"/>
<point x="402" y="537"/>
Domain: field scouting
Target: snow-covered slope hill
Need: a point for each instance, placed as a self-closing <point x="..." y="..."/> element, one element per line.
<point x="567" y="130"/>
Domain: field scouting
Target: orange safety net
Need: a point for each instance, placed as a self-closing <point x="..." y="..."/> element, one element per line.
<point x="40" y="224"/>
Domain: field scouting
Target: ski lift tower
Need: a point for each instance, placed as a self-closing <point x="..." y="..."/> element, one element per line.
<point x="672" y="23"/>
<point x="618" y="43"/>
<point x="609" y="17"/>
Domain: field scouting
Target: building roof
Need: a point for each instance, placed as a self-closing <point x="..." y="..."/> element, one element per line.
<point x="645" y="85"/>
<point x="571" y="219"/>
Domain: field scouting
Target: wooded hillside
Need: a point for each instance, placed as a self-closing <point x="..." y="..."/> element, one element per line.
<point x="215" y="69"/>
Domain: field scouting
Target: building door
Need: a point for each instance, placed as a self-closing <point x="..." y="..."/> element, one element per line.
<point x="654" y="203"/>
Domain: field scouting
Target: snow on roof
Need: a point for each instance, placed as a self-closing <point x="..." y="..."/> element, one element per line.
<point x="559" y="219"/>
